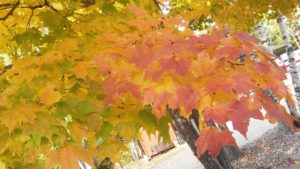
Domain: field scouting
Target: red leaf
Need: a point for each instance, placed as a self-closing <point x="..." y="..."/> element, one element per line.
<point x="159" y="101"/>
<point x="218" y="113"/>
<point x="246" y="37"/>
<point x="262" y="67"/>
<point x="210" y="41"/>
<point x="275" y="110"/>
<point x="187" y="97"/>
<point x="114" y="88"/>
<point x="243" y="82"/>
<point x="179" y="65"/>
<point x="242" y="113"/>
<point x="230" y="52"/>
<point x="220" y="83"/>
<point x="212" y="140"/>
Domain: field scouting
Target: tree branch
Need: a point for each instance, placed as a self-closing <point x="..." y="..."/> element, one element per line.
<point x="4" y="70"/>
<point x="18" y="4"/>
<point x="11" y="11"/>
<point x="6" y="5"/>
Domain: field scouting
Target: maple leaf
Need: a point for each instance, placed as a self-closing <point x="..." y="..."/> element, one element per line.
<point x="159" y="101"/>
<point x="48" y="96"/>
<point x="232" y="83"/>
<point x="274" y="110"/>
<point x="227" y="84"/>
<point x="68" y="157"/>
<point x="142" y="56"/>
<point x="81" y="69"/>
<point x="15" y="116"/>
<point x="209" y="41"/>
<point x="212" y="140"/>
<point x="94" y="122"/>
<point x="218" y="113"/>
<point x="230" y="52"/>
<point x="179" y="65"/>
<point x="241" y="114"/>
<point x="143" y="60"/>
<point x="187" y="97"/>
<point x="261" y="67"/>
<point x="244" y="79"/>
<point x="45" y="125"/>
<point x="108" y="151"/>
<point x="246" y="37"/>
<point x="115" y="88"/>
<point x="80" y="131"/>
<point x="204" y="65"/>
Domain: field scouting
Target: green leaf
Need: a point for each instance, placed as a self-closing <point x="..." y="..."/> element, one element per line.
<point x="26" y="92"/>
<point x="106" y="131"/>
<point x="63" y="108"/>
<point x="66" y="66"/>
<point x="84" y="107"/>
<point x="40" y="164"/>
<point x="54" y="21"/>
<point x="163" y="128"/>
<point x="36" y="137"/>
<point x="146" y="116"/>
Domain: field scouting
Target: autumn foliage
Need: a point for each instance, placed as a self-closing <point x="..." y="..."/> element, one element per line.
<point x="91" y="91"/>
<point x="222" y="77"/>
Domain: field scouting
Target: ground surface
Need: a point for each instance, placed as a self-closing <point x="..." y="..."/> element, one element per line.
<point x="178" y="158"/>
<point x="276" y="149"/>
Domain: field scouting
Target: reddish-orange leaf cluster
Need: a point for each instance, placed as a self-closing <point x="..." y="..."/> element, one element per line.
<point x="165" y="67"/>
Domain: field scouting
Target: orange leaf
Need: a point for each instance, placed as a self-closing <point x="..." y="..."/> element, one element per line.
<point x="15" y="116"/>
<point x="48" y="96"/>
<point x="68" y="157"/>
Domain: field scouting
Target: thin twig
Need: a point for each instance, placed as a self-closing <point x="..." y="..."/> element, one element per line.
<point x="235" y="63"/>
<point x="48" y="5"/>
<point x="28" y="22"/>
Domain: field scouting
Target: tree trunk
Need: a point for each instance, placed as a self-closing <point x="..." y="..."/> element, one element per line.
<point x="291" y="58"/>
<point x="190" y="134"/>
<point x="262" y="35"/>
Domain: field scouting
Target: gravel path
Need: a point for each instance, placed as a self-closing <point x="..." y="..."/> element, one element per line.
<point x="276" y="149"/>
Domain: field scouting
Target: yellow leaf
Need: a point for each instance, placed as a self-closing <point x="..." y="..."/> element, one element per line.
<point x="81" y="69"/>
<point x="2" y="165"/>
<point x="111" y="149"/>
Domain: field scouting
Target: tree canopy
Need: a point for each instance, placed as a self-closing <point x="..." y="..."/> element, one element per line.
<point x="87" y="75"/>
